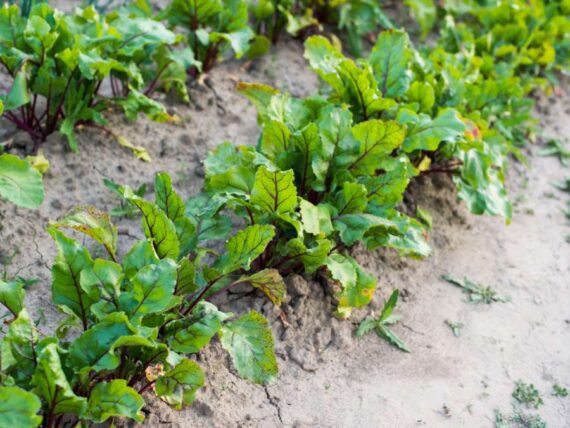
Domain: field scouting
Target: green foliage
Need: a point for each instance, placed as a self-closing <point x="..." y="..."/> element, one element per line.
<point x="518" y="420"/>
<point x="527" y="394"/>
<point x="320" y="184"/>
<point x="440" y="104"/>
<point x="380" y="325"/>
<point x="135" y="319"/>
<point x="455" y="327"/>
<point x="556" y="148"/>
<point x="559" y="391"/>
<point x="18" y="407"/>
<point x="357" y="18"/>
<point x="477" y="293"/>
<point x="58" y="62"/>
<point x="19" y="182"/>
<point x="212" y="28"/>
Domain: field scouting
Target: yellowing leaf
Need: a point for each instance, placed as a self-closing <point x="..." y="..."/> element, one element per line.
<point x="140" y="152"/>
<point x="39" y="162"/>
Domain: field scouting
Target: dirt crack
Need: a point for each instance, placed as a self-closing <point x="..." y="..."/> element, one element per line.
<point x="274" y="403"/>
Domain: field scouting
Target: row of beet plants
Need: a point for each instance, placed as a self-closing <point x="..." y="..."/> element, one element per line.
<point x="328" y="171"/>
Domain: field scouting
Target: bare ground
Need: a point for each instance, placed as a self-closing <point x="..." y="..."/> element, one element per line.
<point x="328" y="378"/>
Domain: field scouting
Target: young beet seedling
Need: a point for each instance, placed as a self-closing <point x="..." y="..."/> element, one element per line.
<point x="477" y="292"/>
<point x="380" y="324"/>
<point x="136" y="318"/>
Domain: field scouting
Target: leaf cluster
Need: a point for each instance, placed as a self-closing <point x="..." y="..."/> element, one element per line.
<point x="133" y="321"/>
<point x="58" y="63"/>
<point x="324" y="184"/>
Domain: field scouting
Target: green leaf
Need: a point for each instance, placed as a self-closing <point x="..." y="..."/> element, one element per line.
<point x="53" y="386"/>
<point x="71" y="260"/>
<point x="19" y="408"/>
<point x="425" y="133"/>
<point x="352" y="199"/>
<point x="140" y="255"/>
<point x="250" y="343"/>
<point x="312" y="258"/>
<point x="260" y="96"/>
<point x="425" y="12"/>
<point x="20" y="183"/>
<point x="186" y="278"/>
<point x="178" y="386"/>
<point x="19" y="348"/>
<point x="93" y="223"/>
<point x="19" y="94"/>
<point x="246" y="246"/>
<point x="152" y="289"/>
<point x="353" y="227"/>
<point x="158" y="227"/>
<point x="275" y="139"/>
<point x="270" y="282"/>
<point x="316" y="219"/>
<point x="390" y="58"/>
<point x="422" y="95"/>
<point x="167" y="199"/>
<point x="238" y="40"/>
<point x="389" y="306"/>
<point x="12" y="296"/>
<point x="275" y="191"/>
<point x="387" y="334"/>
<point x="377" y="140"/>
<point x="114" y="399"/>
<point x="205" y="322"/>
<point x="93" y="350"/>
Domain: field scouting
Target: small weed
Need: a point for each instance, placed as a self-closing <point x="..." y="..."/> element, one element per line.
<point x="563" y="185"/>
<point x="380" y="324"/>
<point x="526" y="393"/>
<point x="555" y="147"/>
<point x="518" y="420"/>
<point x="455" y="327"/>
<point x="559" y="391"/>
<point x="477" y="293"/>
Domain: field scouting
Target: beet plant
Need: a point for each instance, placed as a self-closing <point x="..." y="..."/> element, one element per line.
<point x="454" y="119"/>
<point x="59" y="62"/>
<point x="212" y="28"/>
<point x="358" y="18"/>
<point x="324" y="184"/>
<point x="132" y="321"/>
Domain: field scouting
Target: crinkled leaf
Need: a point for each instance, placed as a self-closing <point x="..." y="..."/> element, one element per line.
<point x="275" y="192"/>
<point x="93" y="223"/>
<point x="114" y="399"/>
<point x="250" y="343"/>
<point x="20" y="183"/>
<point x="158" y="227"/>
<point x="12" y="296"/>
<point x="178" y="386"/>
<point x="425" y="133"/>
<point x="71" y="260"/>
<point x="390" y="58"/>
<point x="246" y="246"/>
<point x="52" y="384"/>
<point x="205" y="321"/>
<point x="270" y="282"/>
<point x="19" y="408"/>
<point x="377" y="140"/>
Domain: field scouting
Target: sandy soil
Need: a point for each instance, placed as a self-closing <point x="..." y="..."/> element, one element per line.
<point x="328" y="378"/>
